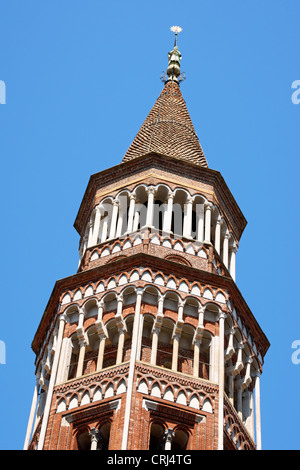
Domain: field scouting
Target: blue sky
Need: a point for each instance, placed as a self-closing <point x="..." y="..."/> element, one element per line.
<point x="80" y="78"/>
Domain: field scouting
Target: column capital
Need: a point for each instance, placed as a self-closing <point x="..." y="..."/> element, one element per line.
<point x="208" y="206"/>
<point x="116" y="202"/>
<point x="169" y="435"/>
<point x="150" y="189"/>
<point x="222" y="315"/>
<point x="133" y="196"/>
<point x="139" y="291"/>
<point x="171" y="195"/>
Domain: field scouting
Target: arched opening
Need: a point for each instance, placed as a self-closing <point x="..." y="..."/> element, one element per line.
<point x="72" y="367"/>
<point x="84" y="440"/>
<point x="91" y="351"/>
<point x="156" y="442"/>
<point x="180" y="440"/>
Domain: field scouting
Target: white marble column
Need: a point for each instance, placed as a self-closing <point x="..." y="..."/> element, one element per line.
<point x="96" y="225"/>
<point x="132" y="198"/>
<point x="94" y="433"/>
<point x="239" y="399"/>
<point x="257" y="411"/>
<point x="32" y="413"/>
<point x="150" y="207"/>
<point x="90" y="236"/>
<point x="156" y="329"/>
<point x="230" y="349"/>
<point x="200" y="222"/>
<point x="187" y="221"/>
<point x="222" y="317"/>
<point x="197" y="344"/>
<point x="82" y="344"/>
<point x="136" y="217"/>
<point x="207" y="228"/>
<point x="226" y="248"/>
<point x="168" y="438"/>
<point x="104" y="228"/>
<point x="114" y="216"/>
<point x="62" y="321"/>
<point x="167" y="225"/>
<point x="102" y="332"/>
<point x="232" y="261"/>
<point x="218" y="235"/>
<point x="121" y="341"/>
<point x="239" y="365"/>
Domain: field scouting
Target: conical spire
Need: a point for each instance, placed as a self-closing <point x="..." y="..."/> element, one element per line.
<point x="168" y="129"/>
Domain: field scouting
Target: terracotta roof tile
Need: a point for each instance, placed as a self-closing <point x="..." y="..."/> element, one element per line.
<point x="168" y="130"/>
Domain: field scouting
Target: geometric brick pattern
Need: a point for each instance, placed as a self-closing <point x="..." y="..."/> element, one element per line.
<point x="168" y="130"/>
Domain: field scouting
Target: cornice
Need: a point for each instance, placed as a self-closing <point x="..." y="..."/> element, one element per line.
<point x="176" y="166"/>
<point x="144" y="259"/>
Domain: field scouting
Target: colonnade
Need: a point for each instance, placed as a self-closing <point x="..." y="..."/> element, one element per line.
<point x="176" y="213"/>
<point x="228" y="374"/>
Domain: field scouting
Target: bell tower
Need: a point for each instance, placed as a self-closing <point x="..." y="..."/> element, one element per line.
<point x="151" y="345"/>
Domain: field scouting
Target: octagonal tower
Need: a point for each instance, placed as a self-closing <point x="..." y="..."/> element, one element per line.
<point x="150" y="345"/>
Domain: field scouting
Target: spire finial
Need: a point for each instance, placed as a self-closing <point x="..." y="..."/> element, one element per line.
<point x="176" y="30"/>
<point x="173" y="70"/>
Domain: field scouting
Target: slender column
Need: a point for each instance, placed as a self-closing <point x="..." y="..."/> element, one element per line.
<point x="225" y="248"/>
<point x="136" y="217"/>
<point x="82" y="343"/>
<point x="94" y="433"/>
<point x="132" y="198"/>
<point x="200" y="222"/>
<point x="121" y="341"/>
<point x="230" y="349"/>
<point x="180" y="311"/>
<point x="201" y="317"/>
<point x="232" y="261"/>
<point x="187" y="222"/>
<point x="257" y="411"/>
<point x="168" y="214"/>
<point x="102" y="340"/>
<point x="218" y="235"/>
<point x="51" y="382"/>
<point x="150" y="208"/>
<point x="84" y="244"/>
<point x="247" y="379"/>
<point x="168" y="438"/>
<point x="135" y="333"/>
<point x="176" y="338"/>
<point x="90" y="237"/>
<point x="239" y="362"/>
<point x="156" y="329"/>
<point x="207" y="227"/>
<point x="251" y="418"/>
<point x="96" y="226"/>
<point x="113" y="225"/>
<point x="222" y="317"/>
<point x="231" y="385"/>
<point x="102" y="332"/>
<point x="104" y="229"/>
<point x="155" y="335"/>
<point x="197" y="344"/>
<point x="32" y="413"/>
<point x="239" y="400"/>
<point x="122" y="213"/>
